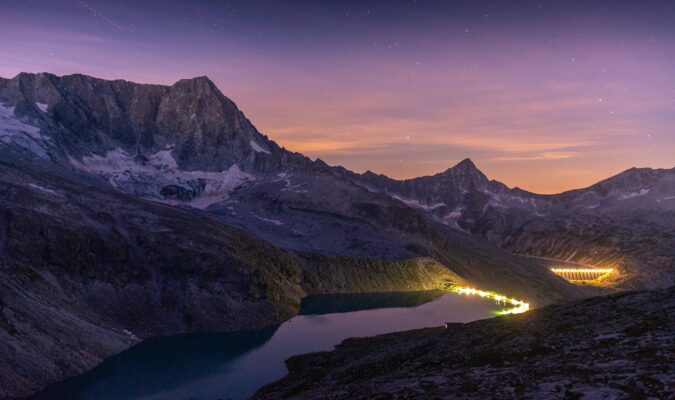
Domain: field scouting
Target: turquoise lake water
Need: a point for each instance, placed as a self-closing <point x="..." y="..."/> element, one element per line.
<point x="234" y="365"/>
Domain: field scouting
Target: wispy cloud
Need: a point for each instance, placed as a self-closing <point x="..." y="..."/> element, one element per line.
<point x="547" y="155"/>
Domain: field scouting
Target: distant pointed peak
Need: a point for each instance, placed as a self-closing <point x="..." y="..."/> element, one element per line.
<point x="466" y="164"/>
<point x="465" y="168"/>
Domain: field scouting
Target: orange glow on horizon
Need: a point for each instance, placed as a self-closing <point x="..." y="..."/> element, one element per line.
<point x="542" y="107"/>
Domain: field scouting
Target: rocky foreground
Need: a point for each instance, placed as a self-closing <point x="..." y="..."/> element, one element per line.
<point x="616" y="347"/>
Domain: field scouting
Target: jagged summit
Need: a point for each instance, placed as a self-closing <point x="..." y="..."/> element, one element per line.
<point x="201" y="78"/>
<point x="466" y="163"/>
<point x="204" y="129"/>
<point x="199" y="84"/>
<point x="466" y="169"/>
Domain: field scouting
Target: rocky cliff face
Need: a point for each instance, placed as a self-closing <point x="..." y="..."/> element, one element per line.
<point x="608" y="347"/>
<point x="174" y="143"/>
<point x="85" y="116"/>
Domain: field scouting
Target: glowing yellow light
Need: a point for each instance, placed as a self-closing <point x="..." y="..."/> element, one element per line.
<point x="518" y="305"/>
<point x="582" y="274"/>
<point x="589" y="270"/>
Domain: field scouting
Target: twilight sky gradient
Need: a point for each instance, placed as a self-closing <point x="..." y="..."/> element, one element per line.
<point x="545" y="95"/>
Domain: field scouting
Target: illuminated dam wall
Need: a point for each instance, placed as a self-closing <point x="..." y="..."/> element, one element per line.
<point x="582" y="274"/>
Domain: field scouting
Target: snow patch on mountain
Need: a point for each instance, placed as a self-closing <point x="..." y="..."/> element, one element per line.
<point x="14" y="131"/>
<point x="417" y="204"/>
<point x="42" y="189"/>
<point x="163" y="158"/>
<point x="295" y="188"/>
<point x="257" y="148"/>
<point x="456" y="213"/>
<point x="642" y="192"/>
<point x="272" y="221"/>
<point x="452" y="218"/>
<point x="151" y="179"/>
<point x="42" y="106"/>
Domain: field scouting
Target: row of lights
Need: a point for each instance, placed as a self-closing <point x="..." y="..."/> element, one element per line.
<point x="519" y="305"/>
<point x="580" y="270"/>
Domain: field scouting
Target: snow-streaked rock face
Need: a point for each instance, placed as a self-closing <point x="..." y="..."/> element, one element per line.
<point x="43" y="107"/>
<point x="43" y="189"/>
<point x="15" y="132"/>
<point x="183" y="144"/>
<point x="159" y="177"/>
<point x="258" y="148"/>
<point x="86" y="116"/>
<point x="642" y="192"/>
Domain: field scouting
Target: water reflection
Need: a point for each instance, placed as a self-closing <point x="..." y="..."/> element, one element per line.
<point x="340" y="303"/>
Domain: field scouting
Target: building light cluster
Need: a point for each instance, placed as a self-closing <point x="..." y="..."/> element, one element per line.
<point x="582" y="274"/>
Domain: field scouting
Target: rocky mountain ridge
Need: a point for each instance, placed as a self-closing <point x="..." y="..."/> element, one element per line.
<point x="178" y="142"/>
<point x="603" y="225"/>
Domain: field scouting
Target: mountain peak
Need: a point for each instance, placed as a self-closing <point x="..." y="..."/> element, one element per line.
<point x="198" y="79"/>
<point x="199" y="83"/>
<point x="466" y="164"/>
<point x="465" y="168"/>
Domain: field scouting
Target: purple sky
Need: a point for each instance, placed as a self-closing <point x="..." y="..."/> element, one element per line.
<point x="543" y="95"/>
